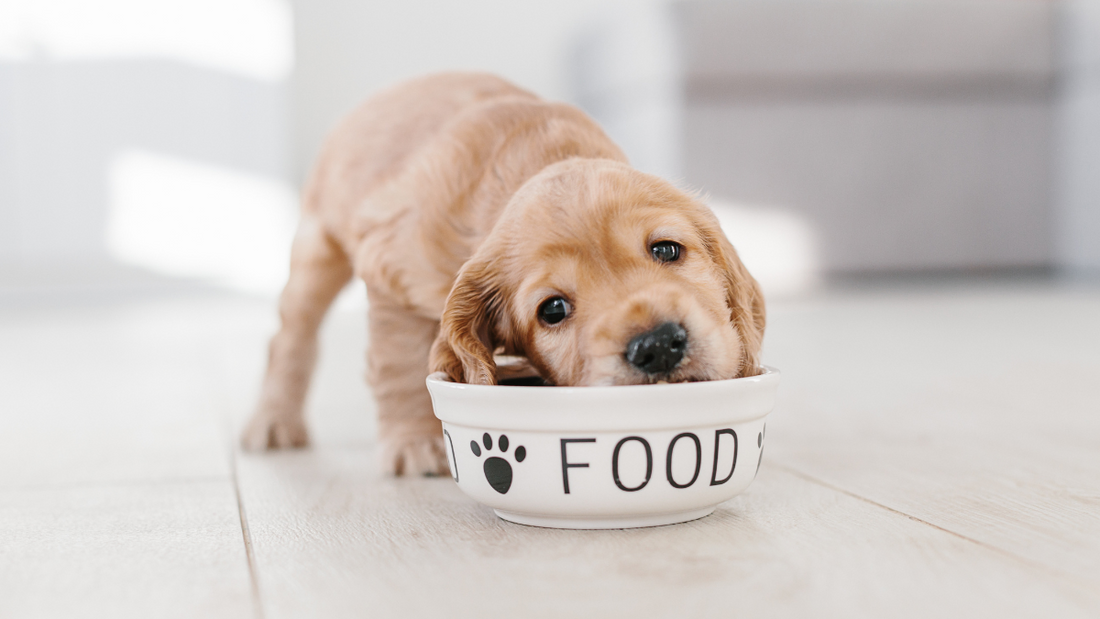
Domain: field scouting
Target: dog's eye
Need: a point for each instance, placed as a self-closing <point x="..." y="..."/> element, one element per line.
<point x="665" y="251"/>
<point x="554" y="310"/>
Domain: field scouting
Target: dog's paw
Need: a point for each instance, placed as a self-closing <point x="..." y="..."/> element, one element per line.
<point x="267" y="431"/>
<point x="414" y="456"/>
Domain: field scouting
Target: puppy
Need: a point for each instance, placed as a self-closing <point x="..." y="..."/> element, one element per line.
<point x="486" y="221"/>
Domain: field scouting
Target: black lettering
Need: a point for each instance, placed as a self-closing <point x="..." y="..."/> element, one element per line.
<point x="566" y="465"/>
<point x="698" y="459"/>
<point x="714" y="474"/>
<point x="648" y="463"/>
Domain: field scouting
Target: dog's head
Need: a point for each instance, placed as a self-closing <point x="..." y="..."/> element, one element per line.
<point x="599" y="274"/>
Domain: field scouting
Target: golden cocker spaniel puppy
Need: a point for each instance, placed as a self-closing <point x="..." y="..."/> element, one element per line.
<point x="486" y="221"/>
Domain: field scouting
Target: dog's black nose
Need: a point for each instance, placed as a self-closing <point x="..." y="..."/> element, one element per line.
<point x="659" y="350"/>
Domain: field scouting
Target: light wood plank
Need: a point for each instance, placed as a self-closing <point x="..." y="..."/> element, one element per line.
<point x="128" y="550"/>
<point x="333" y="539"/>
<point x="113" y="392"/>
<point x="975" y="410"/>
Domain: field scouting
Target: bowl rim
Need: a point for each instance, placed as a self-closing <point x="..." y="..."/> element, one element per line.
<point x="604" y="408"/>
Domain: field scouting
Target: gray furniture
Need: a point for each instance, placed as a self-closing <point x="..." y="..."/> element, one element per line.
<point x="909" y="135"/>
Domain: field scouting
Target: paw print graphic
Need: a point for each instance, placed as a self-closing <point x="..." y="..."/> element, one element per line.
<point x="498" y="471"/>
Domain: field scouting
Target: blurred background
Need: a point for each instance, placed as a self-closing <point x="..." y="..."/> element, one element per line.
<point x="915" y="183"/>
<point x="836" y="137"/>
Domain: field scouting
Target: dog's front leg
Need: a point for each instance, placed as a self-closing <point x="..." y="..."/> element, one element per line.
<point x="410" y="437"/>
<point x="318" y="270"/>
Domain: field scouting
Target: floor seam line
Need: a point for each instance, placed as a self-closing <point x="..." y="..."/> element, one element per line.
<point x="246" y="536"/>
<point x="73" y="485"/>
<point x="1022" y="560"/>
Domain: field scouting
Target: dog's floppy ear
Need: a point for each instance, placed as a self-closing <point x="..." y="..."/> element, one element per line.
<point x="743" y="294"/>
<point x="464" y="347"/>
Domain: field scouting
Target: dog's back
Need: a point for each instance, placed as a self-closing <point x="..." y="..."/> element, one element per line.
<point x="375" y="142"/>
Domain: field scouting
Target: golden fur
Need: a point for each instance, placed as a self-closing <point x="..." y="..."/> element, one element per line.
<point x="464" y="202"/>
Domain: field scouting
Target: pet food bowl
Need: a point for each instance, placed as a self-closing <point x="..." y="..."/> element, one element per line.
<point x="604" y="457"/>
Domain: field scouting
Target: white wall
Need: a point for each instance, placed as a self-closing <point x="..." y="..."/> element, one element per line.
<point x="348" y="49"/>
<point x="66" y="122"/>
<point x="102" y="102"/>
<point x="86" y="84"/>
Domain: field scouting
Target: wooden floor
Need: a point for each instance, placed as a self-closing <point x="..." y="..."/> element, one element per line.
<point x="935" y="452"/>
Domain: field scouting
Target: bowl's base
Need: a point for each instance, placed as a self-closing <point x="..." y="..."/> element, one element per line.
<point x="624" y="522"/>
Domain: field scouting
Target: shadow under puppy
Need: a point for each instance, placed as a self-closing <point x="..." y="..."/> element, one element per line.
<point x="486" y="221"/>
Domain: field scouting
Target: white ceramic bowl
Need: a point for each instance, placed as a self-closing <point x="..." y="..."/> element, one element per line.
<point x="604" y="457"/>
